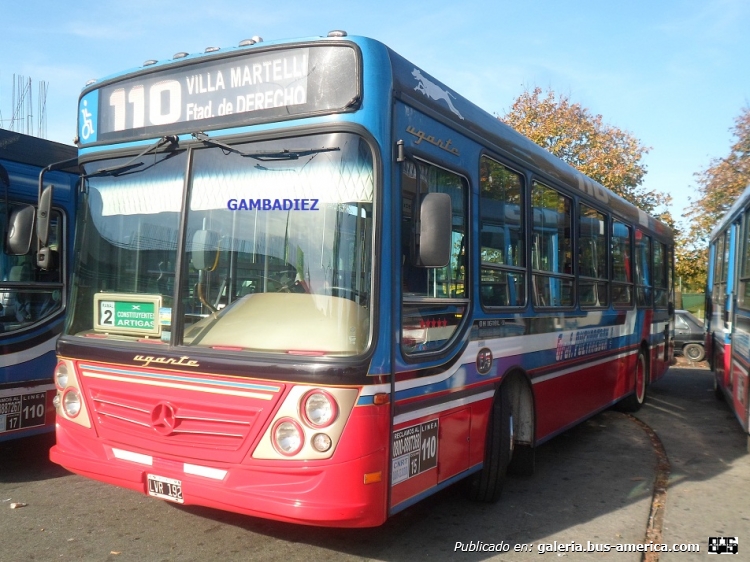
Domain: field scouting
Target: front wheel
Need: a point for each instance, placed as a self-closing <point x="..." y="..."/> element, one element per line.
<point x="634" y="402"/>
<point x="487" y="484"/>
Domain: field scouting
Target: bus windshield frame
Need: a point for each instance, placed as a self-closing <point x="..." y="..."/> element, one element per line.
<point x="274" y="253"/>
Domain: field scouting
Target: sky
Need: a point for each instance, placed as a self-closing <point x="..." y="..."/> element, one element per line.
<point x="672" y="73"/>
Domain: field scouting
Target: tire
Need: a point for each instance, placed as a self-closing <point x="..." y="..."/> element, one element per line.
<point x="487" y="484"/>
<point x="523" y="462"/>
<point x="634" y="401"/>
<point x="694" y="352"/>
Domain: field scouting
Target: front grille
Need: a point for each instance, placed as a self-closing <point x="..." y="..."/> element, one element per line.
<point x="176" y="413"/>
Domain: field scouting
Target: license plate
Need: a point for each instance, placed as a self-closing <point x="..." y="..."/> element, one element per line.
<point x="165" y="488"/>
<point x="22" y="411"/>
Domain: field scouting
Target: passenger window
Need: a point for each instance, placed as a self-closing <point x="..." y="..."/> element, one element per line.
<point x="27" y="294"/>
<point x="622" y="276"/>
<point x="721" y="253"/>
<point x="434" y="299"/>
<point x="743" y="294"/>
<point x="661" y="279"/>
<point x="593" y="280"/>
<point x="551" y="249"/>
<point x="643" y="268"/>
<point x="501" y="208"/>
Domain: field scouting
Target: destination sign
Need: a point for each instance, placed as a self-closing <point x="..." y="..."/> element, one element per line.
<point x="127" y="314"/>
<point x="221" y="92"/>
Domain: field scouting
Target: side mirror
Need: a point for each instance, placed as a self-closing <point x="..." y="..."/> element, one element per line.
<point x="435" y="222"/>
<point x="670" y="308"/>
<point x="205" y="250"/>
<point x="20" y="230"/>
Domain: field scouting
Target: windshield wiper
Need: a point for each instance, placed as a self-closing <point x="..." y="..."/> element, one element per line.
<point x="264" y="156"/>
<point x="132" y="164"/>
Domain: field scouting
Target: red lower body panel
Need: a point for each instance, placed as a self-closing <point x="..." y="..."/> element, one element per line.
<point x="330" y="494"/>
<point x="568" y="398"/>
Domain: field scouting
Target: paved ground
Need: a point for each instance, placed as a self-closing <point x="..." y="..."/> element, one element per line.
<point x="593" y="484"/>
<point x="709" y="487"/>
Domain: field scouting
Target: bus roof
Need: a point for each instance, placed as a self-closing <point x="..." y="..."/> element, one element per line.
<point x="737" y="207"/>
<point x="34" y="151"/>
<point x="410" y="83"/>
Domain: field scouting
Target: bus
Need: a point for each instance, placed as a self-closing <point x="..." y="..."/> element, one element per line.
<point x="32" y="301"/>
<point x="314" y="284"/>
<point x="727" y="317"/>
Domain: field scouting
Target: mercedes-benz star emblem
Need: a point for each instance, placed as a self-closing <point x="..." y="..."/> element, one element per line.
<point x="163" y="418"/>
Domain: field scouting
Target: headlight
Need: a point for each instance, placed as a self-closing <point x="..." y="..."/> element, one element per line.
<point x="61" y="376"/>
<point x="287" y="437"/>
<point x="319" y="408"/>
<point x="72" y="402"/>
<point x="321" y="442"/>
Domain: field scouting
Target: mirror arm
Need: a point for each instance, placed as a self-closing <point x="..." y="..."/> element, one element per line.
<point x="43" y="214"/>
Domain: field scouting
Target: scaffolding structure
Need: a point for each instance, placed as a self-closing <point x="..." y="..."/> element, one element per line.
<point x="22" y="108"/>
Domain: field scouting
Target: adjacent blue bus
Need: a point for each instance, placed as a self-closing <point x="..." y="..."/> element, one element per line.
<point x="727" y="318"/>
<point x="32" y="301"/>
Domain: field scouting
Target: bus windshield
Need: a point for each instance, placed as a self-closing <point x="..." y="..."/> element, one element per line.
<point x="277" y="242"/>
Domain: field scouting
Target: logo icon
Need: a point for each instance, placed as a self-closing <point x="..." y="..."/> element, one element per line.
<point x="484" y="361"/>
<point x="432" y="90"/>
<point x="723" y="545"/>
<point x="164" y="418"/>
<point x="87" y="124"/>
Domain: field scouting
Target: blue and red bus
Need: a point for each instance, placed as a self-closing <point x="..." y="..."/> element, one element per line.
<point x="315" y="284"/>
<point x="727" y="318"/>
<point x="32" y="300"/>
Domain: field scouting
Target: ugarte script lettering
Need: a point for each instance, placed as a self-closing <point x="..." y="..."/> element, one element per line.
<point x="183" y="361"/>
<point x="440" y="143"/>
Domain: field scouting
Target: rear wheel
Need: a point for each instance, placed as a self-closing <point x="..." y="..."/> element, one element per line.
<point x="634" y="402"/>
<point x="487" y="484"/>
<point x="694" y="352"/>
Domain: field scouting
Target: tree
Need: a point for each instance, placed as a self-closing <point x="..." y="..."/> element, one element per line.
<point x="609" y="155"/>
<point x="690" y="266"/>
<point x="719" y="185"/>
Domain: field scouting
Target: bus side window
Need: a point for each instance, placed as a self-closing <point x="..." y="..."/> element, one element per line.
<point x="622" y="277"/>
<point x="551" y="251"/>
<point x="661" y="279"/>
<point x="643" y="273"/>
<point x="503" y="277"/>
<point x="592" y="257"/>
<point x="743" y="293"/>
<point x="41" y="293"/>
<point x="434" y="299"/>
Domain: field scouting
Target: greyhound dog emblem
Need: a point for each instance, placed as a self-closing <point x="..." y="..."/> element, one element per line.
<point x="432" y="90"/>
